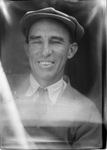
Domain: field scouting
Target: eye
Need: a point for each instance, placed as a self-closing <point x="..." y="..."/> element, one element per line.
<point x="55" y="42"/>
<point x="37" y="42"/>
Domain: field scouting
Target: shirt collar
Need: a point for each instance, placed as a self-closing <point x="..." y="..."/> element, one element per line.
<point x="33" y="86"/>
<point x="53" y="90"/>
<point x="56" y="89"/>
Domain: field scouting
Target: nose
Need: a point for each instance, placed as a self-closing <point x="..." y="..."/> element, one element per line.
<point x="46" y="50"/>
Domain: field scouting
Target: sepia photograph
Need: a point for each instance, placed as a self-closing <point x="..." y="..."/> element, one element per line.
<point x="53" y="75"/>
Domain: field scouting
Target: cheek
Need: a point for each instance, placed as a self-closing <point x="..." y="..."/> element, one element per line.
<point x="62" y="55"/>
<point x="32" y="53"/>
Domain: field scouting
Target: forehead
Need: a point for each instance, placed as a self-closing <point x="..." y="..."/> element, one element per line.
<point x="49" y="23"/>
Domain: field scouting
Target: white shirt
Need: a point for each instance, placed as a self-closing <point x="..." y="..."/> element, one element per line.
<point x="54" y="90"/>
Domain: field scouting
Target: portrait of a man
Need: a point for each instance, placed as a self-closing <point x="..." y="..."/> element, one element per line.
<point x="52" y="113"/>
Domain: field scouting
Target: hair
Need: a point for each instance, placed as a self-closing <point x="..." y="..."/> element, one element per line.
<point x="71" y="34"/>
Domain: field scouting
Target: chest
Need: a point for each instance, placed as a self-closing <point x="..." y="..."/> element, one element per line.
<point x="62" y="113"/>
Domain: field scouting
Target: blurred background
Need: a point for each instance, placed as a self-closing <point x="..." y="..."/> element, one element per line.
<point x="87" y="69"/>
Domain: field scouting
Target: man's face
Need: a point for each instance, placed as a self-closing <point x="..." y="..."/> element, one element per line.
<point x="48" y="49"/>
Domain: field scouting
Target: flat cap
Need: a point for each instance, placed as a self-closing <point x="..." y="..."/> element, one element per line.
<point x="32" y="16"/>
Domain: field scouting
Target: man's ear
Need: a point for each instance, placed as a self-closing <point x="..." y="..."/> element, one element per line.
<point x="26" y="48"/>
<point x="72" y="50"/>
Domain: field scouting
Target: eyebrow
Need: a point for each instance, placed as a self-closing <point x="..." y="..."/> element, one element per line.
<point x="33" y="37"/>
<point x="57" y="38"/>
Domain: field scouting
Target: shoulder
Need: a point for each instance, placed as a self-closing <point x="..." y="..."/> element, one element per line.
<point x="18" y="81"/>
<point x="74" y="95"/>
<point x="16" y="77"/>
<point x="84" y="107"/>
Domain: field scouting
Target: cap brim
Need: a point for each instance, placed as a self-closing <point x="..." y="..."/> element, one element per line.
<point x="72" y="23"/>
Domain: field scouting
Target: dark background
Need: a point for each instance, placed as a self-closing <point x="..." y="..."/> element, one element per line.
<point x="85" y="70"/>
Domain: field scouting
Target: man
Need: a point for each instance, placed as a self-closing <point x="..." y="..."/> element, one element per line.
<point x="62" y="118"/>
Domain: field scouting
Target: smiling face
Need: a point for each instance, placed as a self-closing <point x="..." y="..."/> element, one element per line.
<point x="48" y="49"/>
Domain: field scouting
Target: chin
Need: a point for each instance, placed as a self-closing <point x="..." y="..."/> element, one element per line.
<point x="49" y="75"/>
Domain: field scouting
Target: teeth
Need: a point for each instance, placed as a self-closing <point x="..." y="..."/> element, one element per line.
<point x="45" y="63"/>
